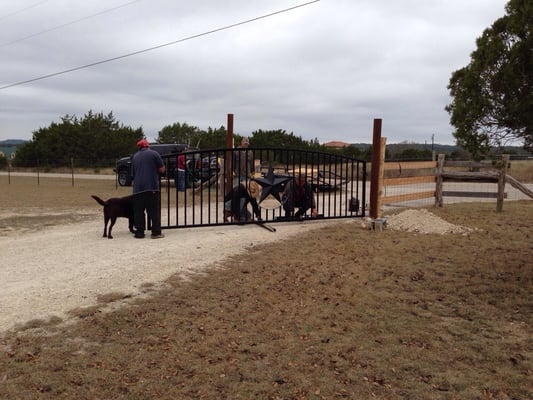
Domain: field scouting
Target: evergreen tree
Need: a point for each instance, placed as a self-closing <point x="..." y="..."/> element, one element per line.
<point x="95" y="139"/>
<point x="493" y="96"/>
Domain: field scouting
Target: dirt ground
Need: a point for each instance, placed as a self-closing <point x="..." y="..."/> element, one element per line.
<point x="438" y="305"/>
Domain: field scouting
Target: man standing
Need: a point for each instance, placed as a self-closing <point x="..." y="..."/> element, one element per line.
<point x="181" y="166"/>
<point x="243" y="161"/>
<point x="146" y="165"/>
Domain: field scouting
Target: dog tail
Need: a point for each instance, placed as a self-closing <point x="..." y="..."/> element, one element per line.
<point x="99" y="200"/>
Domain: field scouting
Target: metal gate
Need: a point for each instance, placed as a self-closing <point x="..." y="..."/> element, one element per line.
<point x="338" y="185"/>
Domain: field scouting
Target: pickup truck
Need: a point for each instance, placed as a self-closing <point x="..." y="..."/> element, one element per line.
<point x="123" y="167"/>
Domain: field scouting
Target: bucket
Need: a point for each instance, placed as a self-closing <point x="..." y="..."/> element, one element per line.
<point x="354" y="205"/>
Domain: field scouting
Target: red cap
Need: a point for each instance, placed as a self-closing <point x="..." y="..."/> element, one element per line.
<point x="143" y="143"/>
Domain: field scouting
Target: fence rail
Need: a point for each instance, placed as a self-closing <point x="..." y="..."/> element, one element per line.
<point x="426" y="168"/>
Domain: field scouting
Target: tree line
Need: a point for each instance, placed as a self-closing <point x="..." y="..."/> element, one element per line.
<point x="98" y="140"/>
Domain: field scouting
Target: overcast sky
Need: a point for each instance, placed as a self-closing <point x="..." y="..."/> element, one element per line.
<point x="324" y="70"/>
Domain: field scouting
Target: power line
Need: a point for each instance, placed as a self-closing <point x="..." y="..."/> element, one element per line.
<point x="159" y="46"/>
<point x="22" y="10"/>
<point x="67" y="23"/>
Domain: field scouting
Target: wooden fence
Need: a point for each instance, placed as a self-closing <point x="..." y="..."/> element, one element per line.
<point x="424" y="172"/>
<point x="409" y="174"/>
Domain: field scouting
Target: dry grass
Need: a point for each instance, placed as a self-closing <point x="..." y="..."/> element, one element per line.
<point x="33" y="203"/>
<point x="338" y="313"/>
<point x="522" y="171"/>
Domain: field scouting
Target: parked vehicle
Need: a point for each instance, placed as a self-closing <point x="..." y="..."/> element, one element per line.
<point x="200" y="167"/>
<point x="326" y="181"/>
<point x="205" y="168"/>
<point x="123" y="167"/>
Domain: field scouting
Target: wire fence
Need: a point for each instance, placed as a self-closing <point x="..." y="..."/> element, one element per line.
<point x="60" y="165"/>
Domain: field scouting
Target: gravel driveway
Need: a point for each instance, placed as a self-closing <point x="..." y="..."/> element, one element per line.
<point x="48" y="272"/>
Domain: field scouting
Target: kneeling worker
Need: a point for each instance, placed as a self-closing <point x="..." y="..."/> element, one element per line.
<point x="298" y="193"/>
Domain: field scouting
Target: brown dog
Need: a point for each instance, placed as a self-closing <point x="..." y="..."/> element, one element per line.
<point x="114" y="208"/>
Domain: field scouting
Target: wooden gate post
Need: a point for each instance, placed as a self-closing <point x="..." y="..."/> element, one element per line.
<point x="376" y="172"/>
<point x="501" y="182"/>
<point x="227" y="158"/>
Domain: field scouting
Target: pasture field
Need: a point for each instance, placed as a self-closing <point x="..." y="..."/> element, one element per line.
<point x="337" y="313"/>
<point x="522" y="170"/>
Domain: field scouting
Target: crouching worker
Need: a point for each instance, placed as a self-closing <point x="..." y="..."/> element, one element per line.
<point x="237" y="200"/>
<point x="298" y="194"/>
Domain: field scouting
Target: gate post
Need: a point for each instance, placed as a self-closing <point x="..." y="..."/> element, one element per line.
<point x="376" y="172"/>
<point x="227" y="158"/>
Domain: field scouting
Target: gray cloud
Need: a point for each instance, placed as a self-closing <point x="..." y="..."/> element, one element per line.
<point x="322" y="71"/>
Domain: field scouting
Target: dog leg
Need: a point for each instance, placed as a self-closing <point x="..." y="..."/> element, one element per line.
<point x="131" y="225"/>
<point x="106" y="220"/>
<point x="113" y="220"/>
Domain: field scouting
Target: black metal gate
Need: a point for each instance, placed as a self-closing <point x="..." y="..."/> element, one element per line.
<point x="338" y="184"/>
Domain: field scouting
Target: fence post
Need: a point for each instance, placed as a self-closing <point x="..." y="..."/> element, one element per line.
<point x="72" y="170"/>
<point x="501" y="182"/>
<point x="438" y="180"/>
<point x="376" y="170"/>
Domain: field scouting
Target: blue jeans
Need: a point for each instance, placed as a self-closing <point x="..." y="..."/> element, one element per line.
<point x="180" y="180"/>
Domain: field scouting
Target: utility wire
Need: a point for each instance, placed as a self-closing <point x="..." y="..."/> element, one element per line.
<point x="24" y="9"/>
<point x="159" y="46"/>
<point x="68" y="23"/>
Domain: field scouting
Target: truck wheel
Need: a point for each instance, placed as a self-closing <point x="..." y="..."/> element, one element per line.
<point x="124" y="178"/>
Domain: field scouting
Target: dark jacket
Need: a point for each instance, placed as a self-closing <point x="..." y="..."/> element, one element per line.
<point x="295" y="195"/>
<point x="146" y="165"/>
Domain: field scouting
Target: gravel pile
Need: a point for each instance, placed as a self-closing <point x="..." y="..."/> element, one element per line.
<point x="423" y="221"/>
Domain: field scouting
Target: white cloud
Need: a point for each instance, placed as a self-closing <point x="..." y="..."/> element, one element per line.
<point x="324" y="70"/>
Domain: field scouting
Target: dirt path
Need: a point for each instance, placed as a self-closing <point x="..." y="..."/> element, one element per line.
<point x="50" y="271"/>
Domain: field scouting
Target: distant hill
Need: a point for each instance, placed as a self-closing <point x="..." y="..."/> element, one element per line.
<point x="438" y="148"/>
<point x="398" y="147"/>
<point x="8" y="148"/>
<point x="12" y="142"/>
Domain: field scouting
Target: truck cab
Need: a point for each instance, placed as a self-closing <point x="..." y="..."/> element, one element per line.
<point x="123" y="167"/>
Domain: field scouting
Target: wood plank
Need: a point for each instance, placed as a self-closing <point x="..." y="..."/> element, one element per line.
<point x="409" y="180"/>
<point x="469" y="164"/>
<point x="408" y="196"/>
<point x="483" y="195"/>
<point x="400" y="165"/>
<point x="514" y="183"/>
<point x="470" y="176"/>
